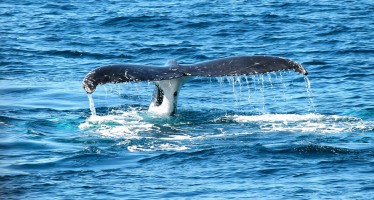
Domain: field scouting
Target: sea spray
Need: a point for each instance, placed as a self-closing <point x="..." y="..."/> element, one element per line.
<point x="92" y="105"/>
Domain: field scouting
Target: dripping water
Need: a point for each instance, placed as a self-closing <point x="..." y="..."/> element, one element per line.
<point x="271" y="85"/>
<point x="258" y="84"/>
<point x="248" y="88"/>
<point x="261" y="77"/>
<point x="239" y="81"/>
<point x="231" y="80"/>
<point x="310" y="94"/>
<point x="92" y="105"/>
<point x="284" y="86"/>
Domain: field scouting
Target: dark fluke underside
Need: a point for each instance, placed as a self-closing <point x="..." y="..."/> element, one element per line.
<point x="231" y="66"/>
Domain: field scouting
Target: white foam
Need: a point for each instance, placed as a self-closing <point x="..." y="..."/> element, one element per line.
<point x="160" y="147"/>
<point x="276" y="118"/>
<point x="117" y="124"/>
<point x="305" y="123"/>
<point x="178" y="137"/>
<point x="138" y="133"/>
<point x="128" y="125"/>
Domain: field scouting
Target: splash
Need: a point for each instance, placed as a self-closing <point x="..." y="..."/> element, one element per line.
<point x="134" y="130"/>
<point x="117" y="124"/>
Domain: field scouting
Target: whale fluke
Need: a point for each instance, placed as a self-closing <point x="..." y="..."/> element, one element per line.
<point x="127" y="73"/>
<point x="231" y="66"/>
<point x="243" y="65"/>
<point x="170" y="78"/>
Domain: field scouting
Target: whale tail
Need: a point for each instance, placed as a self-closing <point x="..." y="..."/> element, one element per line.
<point x="170" y="78"/>
<point x="165" y="95"/>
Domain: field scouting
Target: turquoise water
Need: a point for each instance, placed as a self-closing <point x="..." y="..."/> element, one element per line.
<point x="262" y="137"/>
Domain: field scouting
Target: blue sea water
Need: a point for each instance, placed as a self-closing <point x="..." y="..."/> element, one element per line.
<point x="261" y="137"/>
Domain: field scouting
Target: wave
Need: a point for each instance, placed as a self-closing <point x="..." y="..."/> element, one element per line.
<point x="78" y="159"/>
<point x="66" y="53"/>
<point x="316" y="149"/>
<point x="308" y="149"/>
<point x="131" y="20"/>
<point x="75" y="54"/>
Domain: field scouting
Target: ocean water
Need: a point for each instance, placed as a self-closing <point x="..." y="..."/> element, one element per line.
<point x="272" y="136"/>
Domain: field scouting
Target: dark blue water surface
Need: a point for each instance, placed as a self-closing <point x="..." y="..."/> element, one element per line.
<point x="262" y="137"/>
